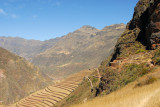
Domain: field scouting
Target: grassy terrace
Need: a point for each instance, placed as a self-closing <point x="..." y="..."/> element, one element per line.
<point x="51" y="95"/>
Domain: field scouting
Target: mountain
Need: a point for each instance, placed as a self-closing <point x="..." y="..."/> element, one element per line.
<point x="79" y="50"/>
<point x="26" y="48"/>
<point x="18" y="78"/>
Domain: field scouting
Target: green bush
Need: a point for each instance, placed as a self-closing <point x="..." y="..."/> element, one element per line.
<point x="140" y="50"/>
<point x="94" y="80"/>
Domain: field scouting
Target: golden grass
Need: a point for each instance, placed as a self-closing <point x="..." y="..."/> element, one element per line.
<point x="129" y="96"/>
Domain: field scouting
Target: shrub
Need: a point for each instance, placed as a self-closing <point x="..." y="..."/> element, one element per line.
<point x="149" y="80"/>
<point x="156" y="57"/>
<point x="140" y="50"/>
<point x="94" y="80"/>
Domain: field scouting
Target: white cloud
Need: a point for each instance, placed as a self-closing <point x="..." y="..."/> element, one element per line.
<point x="14" y="16"/>
<point x="58" y="3"/>
<point x="2" y="11"/>
<point x="34" y="16"/>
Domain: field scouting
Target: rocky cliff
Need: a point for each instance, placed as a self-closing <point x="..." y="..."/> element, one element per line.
<point x="143" y="28"/>
<point x="132" y="56"/>
<point x="147" y="18"/>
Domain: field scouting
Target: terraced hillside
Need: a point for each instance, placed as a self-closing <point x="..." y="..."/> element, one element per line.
<point x="49" y="96"/>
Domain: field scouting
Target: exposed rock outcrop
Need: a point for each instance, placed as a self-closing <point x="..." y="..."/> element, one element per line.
<point x="147" y="18"/>
<point x="144" y="28"/>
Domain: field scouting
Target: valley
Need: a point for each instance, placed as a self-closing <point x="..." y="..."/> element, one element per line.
<point x="116" y="66"/>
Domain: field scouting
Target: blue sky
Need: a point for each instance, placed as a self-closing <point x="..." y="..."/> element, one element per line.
<point x="45" y="19"/>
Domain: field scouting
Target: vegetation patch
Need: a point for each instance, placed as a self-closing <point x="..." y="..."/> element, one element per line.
<point x="156" y="57"/>
<point x="149" y="80"/>
<point x="70" y="98"/>
<point x="113" y="80"/>
<point x="140" y="50"/>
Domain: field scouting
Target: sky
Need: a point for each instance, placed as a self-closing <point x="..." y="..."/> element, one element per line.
<point x="46" y="19"/>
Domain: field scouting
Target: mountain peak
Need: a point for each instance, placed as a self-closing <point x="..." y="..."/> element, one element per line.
<point x="115" y="26"/>
<point x="88" y="29"/>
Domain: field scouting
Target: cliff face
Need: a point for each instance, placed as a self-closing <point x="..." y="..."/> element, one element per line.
<point x="147" y="18"/>
<point x="144" y="28"/>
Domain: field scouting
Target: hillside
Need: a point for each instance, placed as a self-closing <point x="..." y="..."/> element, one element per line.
<point x="136" y="54"/>
<point x="18" y="78"/>
<point x="82" y="49"/>
<point x="129" y="77"/>
<point x="53" y="94"/>
<point x="131" y="49"/>
<point x="144" y="92"/>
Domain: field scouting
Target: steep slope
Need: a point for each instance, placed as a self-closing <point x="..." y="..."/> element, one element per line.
<point x="144" y="92"/>
<point x="81" y="49"/>
<point x="143" y="28"/>
<point x="18" y="78"/>
<point x="130" y="58"/>
<point x="26" y="48"/>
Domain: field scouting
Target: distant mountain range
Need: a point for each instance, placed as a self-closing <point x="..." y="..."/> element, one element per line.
<point x="26" y="48"/>
<point x="82" y="49"/>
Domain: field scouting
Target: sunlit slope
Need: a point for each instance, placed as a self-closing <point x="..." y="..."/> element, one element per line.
<point x="82" y="49"/>
<point x="18" y="78"/>
<point x="144" y="92"/>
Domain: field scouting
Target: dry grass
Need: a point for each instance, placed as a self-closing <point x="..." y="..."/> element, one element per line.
<point x="129" y="96"/>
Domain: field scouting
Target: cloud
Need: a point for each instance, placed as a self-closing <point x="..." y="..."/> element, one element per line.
<point x="2" y="11"/>
<point x="34" y="16"/>
<point x="14" y="16"/>
<point x="58" y="3"/>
